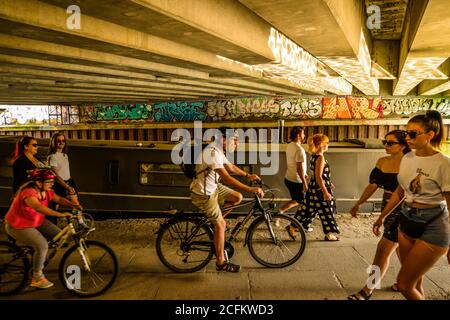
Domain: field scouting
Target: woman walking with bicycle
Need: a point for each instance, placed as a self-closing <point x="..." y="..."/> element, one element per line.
<point x="25" y="220"/>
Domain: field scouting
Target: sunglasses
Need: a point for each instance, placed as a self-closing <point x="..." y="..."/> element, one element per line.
<point x="61" y="141"/>
<point x="34" y="144"/>
<point x="413" y="134"/>
<point x="390" y="143"/>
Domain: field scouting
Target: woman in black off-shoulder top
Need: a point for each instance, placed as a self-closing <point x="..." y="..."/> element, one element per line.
<point x="384" y="176"/>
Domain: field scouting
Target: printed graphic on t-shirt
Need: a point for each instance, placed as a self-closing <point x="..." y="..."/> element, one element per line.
<point x="414" y="185"/>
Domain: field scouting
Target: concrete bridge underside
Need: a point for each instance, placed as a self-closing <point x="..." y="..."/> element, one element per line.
<point x="119" y="51"/>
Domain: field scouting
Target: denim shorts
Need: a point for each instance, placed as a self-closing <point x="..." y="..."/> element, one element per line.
<point x="438" y="231"/>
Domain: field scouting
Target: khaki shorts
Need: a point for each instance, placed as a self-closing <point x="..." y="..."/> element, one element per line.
<point x="210" y="205"/>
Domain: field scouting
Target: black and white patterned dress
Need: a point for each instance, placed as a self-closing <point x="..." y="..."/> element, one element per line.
<point x="315" y="204"/>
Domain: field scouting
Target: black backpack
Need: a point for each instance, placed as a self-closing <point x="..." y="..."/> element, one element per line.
<point x="189" y="168"/>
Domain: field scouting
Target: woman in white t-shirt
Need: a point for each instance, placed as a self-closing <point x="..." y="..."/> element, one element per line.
<point x="58" y="160"/>
<point x="424" y="183"/>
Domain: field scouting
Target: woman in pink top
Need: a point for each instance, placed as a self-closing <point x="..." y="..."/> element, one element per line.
<point x="25" y="219"/>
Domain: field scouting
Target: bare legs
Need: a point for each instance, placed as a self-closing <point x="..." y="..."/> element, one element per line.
<point x="382" y="259"/>
<point x="417" y="258"/>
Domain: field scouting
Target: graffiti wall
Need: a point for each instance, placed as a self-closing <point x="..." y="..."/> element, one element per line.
<point x="400" y="107"/>
<point x="254" y="109"/>
<point x="179" y="111"/>
<point x="352" y="108"/>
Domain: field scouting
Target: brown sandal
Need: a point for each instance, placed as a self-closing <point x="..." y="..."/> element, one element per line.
<point x="228" y="267"/>
<point x="291" y="231"/>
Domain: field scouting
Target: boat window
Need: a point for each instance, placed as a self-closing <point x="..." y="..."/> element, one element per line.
<point x="167" y="174"/>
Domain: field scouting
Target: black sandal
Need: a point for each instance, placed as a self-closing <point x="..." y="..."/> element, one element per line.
<point x="363" y="294"/>
<point x="228" y="267"/>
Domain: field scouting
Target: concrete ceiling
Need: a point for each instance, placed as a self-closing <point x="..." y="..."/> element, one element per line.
<point x="153" y="50"/>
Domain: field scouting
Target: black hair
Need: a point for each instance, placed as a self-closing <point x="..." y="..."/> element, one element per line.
<point x="20" y="146"/>
<point x="224" y="130"/>
<point x="431" y="121"/>
<point x="294" y="131"/>
<point x="400" y="135"/>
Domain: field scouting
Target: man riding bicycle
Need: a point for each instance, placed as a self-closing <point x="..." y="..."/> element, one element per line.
<point x="209" y="195"/>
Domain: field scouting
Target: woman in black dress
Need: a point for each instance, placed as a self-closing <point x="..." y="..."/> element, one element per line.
<point x="319" y="198"/>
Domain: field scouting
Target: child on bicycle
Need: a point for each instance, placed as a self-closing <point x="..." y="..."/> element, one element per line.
<point x="208" y="194"/>
<point x="25" y="220"/>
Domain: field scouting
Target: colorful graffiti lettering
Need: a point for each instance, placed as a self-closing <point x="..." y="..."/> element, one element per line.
<point x="301" y="108"/>
<point x="352" y="108"/>
<point x="269" y="109"/>
<point x="122" y="112"/>
<point x="179" y="111"/>
<point x="273" y="108"/>
<point x="405" y="106"/>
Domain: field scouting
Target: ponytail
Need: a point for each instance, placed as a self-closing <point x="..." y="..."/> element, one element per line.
<point x="315" y="141"/>
<point x="432" y="121"/>
<point x="20" y="147"/>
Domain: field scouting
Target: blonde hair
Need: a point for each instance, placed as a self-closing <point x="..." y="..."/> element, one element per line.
<point x="315" y="141"/>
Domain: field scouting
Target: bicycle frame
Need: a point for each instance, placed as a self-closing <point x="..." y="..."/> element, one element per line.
<point x="257" y="206"/>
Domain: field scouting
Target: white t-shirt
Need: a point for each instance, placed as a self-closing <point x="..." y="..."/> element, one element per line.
<point x="424" y="178"/>
<point x="60" y="163"/>
<point x="214" y="158"/>
<point x="294" y="153"/>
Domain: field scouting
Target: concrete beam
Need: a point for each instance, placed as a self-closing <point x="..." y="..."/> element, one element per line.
<point x="67" y="54"/>
<point x="112" y="36"/>
<point x="67" y="85"/>
<point x="23" y="71"/>
<point x="432" y="87"/>
<point x="334" y="31"/>
<point x="385" y="59"/>
<point x="423" y="48"/>
<point x="351" y="18"/>
<point x="238" y="25"/>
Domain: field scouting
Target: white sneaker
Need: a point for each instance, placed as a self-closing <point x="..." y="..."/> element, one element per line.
<point x="277" y="223"/>
<point x="309" y="230"/>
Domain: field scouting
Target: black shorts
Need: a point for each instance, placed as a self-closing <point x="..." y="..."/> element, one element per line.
<point x="296" y="190"/>
<point x="61" y="191"/>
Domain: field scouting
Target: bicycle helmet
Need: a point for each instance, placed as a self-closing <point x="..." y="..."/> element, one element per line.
<point x="41" y="175"/>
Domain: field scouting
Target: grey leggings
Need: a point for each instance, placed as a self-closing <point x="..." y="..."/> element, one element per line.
<point x="35" y="238"/>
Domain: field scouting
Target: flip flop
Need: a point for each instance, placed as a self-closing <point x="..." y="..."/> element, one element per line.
<point x="394" y="287"/>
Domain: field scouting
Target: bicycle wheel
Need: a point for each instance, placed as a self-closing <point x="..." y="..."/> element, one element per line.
<point x="101" y="275"/>
<point x="180" y="255"/>
<point x="14" y="269"/>
<point x="281" y="251"/>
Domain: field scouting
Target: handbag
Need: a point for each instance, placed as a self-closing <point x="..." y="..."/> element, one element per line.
<point x="414" y="228"/>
